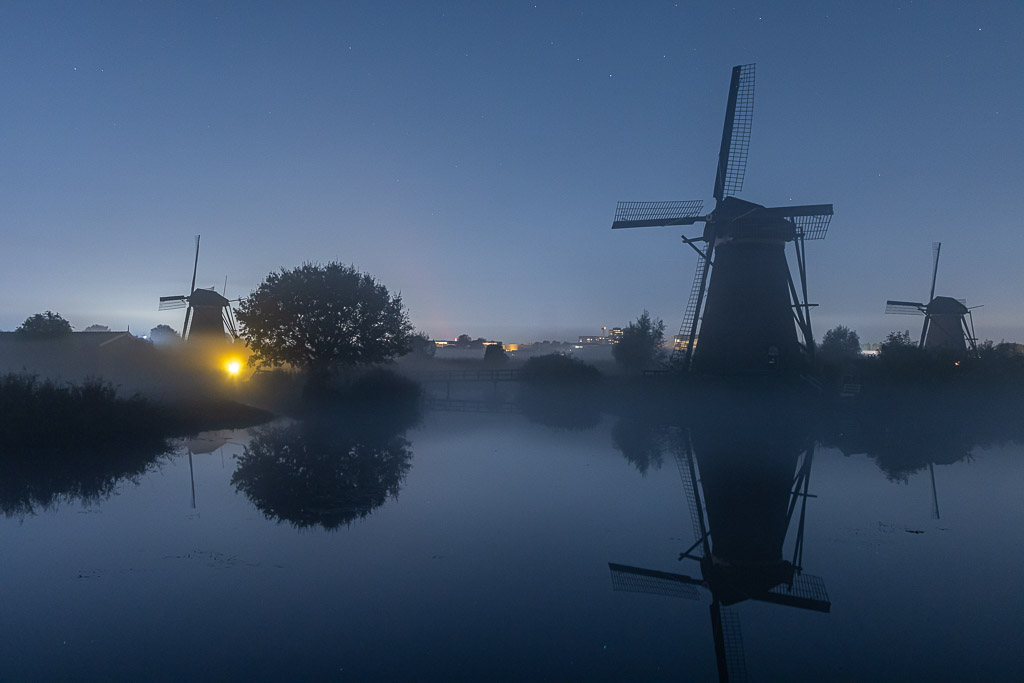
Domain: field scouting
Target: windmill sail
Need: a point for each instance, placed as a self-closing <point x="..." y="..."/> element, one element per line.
<point x="936" y="250"/>
<point x="811" y="221"/>
<point x="656" y="214"/>
<point x="739" y="118"/>
<point x="732" y="663"/>
<point x="168" y="303"/>
<point x="904" y="307"/>
<point x="806" y="592"/>
<point x="639" y="580"/>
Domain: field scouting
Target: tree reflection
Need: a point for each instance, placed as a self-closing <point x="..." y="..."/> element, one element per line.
<point x="906" y="438"/>
<point x="40" y="480"/>
<point x="323" y="472"/>
<point x="640" y="443"/>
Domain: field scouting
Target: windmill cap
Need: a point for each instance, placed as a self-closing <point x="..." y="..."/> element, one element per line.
<point x="944" y="305"/>
<point x="207" y="297"/>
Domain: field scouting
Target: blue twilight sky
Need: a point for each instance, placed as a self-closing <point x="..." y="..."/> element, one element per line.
<point x="470" y="154"/>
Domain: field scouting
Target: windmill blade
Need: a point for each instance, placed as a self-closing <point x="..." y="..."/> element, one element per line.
<point x="656" y="214"/>
<point x="168" y="303"/>
<point x="904" y="307"/>
<point x="806" y="592"/>
<point x="936" y="248"/>
<point x="725" y="626"/>
<point x="195" y="267"/>
<point x="638" y="580"/>
<point x="687" y="473"/>
<point x="812" y="220"/>
<point x="228" y="317"/>
<point x="739" y="115"/>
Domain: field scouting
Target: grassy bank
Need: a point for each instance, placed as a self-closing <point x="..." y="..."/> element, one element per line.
<point x="43" y="416"/>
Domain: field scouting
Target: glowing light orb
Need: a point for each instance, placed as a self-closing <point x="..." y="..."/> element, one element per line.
<point x="233" y="367"/>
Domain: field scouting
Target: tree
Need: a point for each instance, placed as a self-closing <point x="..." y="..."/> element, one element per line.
<point x="97" y="328"/>
<point x="897" y="340"/>
<point x="641" y="342"/>
<point x="420" y="346"/>
<point x="45" y="325"/>
<point x="323" y="318"/>
<point x="840" y="343"/>
<point x="164" y="334"/>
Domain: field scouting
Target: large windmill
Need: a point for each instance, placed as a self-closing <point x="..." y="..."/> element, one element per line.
<point x="740" y="523"/>
<point x="751" y="297"/>
<point x="208" y="314"/>
<point x="948" y="323"/>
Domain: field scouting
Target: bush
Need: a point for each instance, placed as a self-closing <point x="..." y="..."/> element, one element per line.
<point x="495" y="354"/>
<point x="556" y="369"/>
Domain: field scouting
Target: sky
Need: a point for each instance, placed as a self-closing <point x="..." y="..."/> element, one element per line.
<point x="470" y="154"/>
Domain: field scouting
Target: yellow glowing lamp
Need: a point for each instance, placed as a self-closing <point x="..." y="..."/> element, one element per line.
<point x="233" y="367"/>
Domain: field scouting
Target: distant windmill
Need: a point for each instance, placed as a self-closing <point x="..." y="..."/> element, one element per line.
<point x="752" y="300"/>
<point x="744" y="562"/>
<point x="208" y="314"/>
<point x="948" y="323"/>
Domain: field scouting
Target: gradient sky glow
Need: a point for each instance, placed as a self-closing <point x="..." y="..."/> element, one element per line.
<point x="470" y="154"/>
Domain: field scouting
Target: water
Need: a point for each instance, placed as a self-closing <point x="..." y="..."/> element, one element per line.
<point x="492" y="561"/>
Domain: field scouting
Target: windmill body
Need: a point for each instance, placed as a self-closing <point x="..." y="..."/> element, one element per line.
<point x="945" y="325"/>
<point x="207" y="314"/>
<point x="746" y="487"/>
<point x="752" y="315"/>
<point x="746" y="481"/>
<point x="748" y="317"/>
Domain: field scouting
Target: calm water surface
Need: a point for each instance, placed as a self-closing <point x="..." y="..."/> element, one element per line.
<point x="477" y="547"/>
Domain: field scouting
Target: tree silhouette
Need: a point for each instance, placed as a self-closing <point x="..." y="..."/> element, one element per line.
<point x="97" y="328"/>
<point x="45" y="325"/>
<point x="897" y="343"/>
<point x="494" y="354"/>
<point x="840" y="343"/>
<point x="640" y="345"/>
<point x="420" y="346"/>
<point x="323" y="318"/>
<point x="164" y="334"/>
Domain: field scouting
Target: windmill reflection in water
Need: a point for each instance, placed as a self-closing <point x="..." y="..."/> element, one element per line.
<point x="744" y="489"/>
<point x="207" y="442"/>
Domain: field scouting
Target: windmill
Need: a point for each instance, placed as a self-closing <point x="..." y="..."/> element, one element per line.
<point x="208" y="314"/>
<point x="752" y="500"/>
<point x="948" y="323"/>
<point x="751" y="297"/>
<point x="210" y="442"/>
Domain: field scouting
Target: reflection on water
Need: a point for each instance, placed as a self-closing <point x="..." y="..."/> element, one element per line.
<point x="33" y="481"/>
<point x="745" y="474"/>
<point x="508" y="524"/>
<point x="323" y="472"/>
<point x="640" y="443"/>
